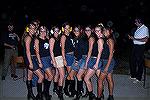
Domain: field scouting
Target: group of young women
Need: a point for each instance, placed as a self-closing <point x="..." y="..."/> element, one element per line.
<point x="66" y="55"/>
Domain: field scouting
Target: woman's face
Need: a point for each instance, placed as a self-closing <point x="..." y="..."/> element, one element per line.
<point x="76" y="31"/>
<point x="67" y="29"/>
<point x="43" y="31"/>
<point x="98" y="32"/>
<point x="107" y="32"/>
<point x="56" y="32"/>
<point x="32" y="29"/>
<point x="88" y="31"/>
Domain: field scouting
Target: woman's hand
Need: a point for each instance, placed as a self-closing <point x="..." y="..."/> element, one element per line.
<point x="95" y="67"/>
<point x="65" y="62"/>
<point x="40" y="65"/>
<point x="31" y="66"/>
<point x="55" y="64"/>
<point x="106" y="70"/>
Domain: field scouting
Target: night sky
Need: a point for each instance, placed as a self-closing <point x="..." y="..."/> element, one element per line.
<point x="121" y="12"/>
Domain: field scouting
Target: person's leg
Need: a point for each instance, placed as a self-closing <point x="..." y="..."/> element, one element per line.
<point x="55" y="80"/>
<point x="110" y="86"/>
<point x="72" y="89"/>
<point x="14" y="64"/>
<point x="79" y="84"/>
<point x="80" y="77"/>
<point x="86" y="91"/>
<point x="40" y="76"/>
<point x="7" y="58"/>
<point x="140" y="62"/>
<point x="88" y="82"/>
<point x="133" y="63"/>
<point x="47" y="83"/>
<point x="67" y="81"/>
<point x="29" y="85"/>
<point x="60" y="82"/>
<point x="100" y="85"/>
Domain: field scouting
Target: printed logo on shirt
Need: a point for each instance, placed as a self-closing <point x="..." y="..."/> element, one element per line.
<point x="12" y="36"/>
<point x="73" y="43"/>
<point x="46" y="45"/>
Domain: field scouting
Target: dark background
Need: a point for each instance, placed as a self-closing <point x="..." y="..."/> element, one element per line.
<point x="121" y="12"/>
<point x="49" y="12"/>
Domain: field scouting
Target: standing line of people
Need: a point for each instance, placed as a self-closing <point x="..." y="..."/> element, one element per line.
<point x="75" y="54"/>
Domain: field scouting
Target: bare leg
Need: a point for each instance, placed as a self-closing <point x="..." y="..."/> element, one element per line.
<point x="110" y="83"/>
<point x="87" y="78"/>
<point x="100" y="84"/>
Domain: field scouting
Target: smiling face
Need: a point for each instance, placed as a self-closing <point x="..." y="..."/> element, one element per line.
<point x="67" y="29"/>
<point x="88" y="31"/>
<point x="42" y="31"/>
<point x="32" y="29"/>
<point x="77" y="31"/>
<point x="98" y="31"/>
<point x="107" y="32"/>
<point x="56" y="32"/>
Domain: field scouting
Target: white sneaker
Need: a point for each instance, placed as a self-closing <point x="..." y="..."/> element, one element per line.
<point x="132" y="78"/>
<point x="137" y="81"/>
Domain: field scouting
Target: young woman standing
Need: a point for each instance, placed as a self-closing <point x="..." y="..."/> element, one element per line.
<point x="107" y="64"/>
<point x="93" y="59"/>
<point x="57" y="61"/>
<point x="43" y="56"/>
<point x="32" y="64"/>
<point x="67" y="53"/>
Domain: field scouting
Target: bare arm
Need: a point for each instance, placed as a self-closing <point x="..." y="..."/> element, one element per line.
<point x="100" y="48"/>
<point x="51" y="42"/>
<point x="63" y="39"/>
<point x="36" y="44"/>
<point x="17" y="36"/>
<point x="91" y="42"/>
<point x="8" y="45"/>
<point x="28" y="53"/>
<point x="145" y="39"/>
<point x="111" y="51"/>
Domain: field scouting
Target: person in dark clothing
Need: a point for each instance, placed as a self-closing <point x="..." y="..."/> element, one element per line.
<point x="43" y="56"/>
<point x="57" y="61"/>
<point x="78" y="44"/>
<point x="139" y="38"/>
<point x="11" y="40"/>
<point x="32" y="63"/>
<point x="67" y="53"/>
<point x="93" y="59"/>
<point x="107" y="64"/>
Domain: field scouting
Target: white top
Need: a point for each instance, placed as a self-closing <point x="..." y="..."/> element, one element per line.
<point x="141" y="32"/>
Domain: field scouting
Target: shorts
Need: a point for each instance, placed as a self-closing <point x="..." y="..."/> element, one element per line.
<point x="59" y="61"/>
<point x="92" y="62"/>
<point x="81" y="64"/>
<point x="46" y="61"/>
<point x="34" y="61"/>
<point x="69" y="59"/>
<point x="110" y="68"/>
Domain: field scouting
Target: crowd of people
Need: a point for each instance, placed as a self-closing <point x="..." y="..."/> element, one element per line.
<point x="66" y="55"/>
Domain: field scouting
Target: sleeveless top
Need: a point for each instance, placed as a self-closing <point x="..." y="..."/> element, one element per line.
<point x="32" y="50"/>
<point x="95" y="48"/>
<point x="68" y="44"/>
<point x="79" y="48"/>
<point x="44" y="47"/>
<point x="57" y="47"/>
<point x="105" y="52"/>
